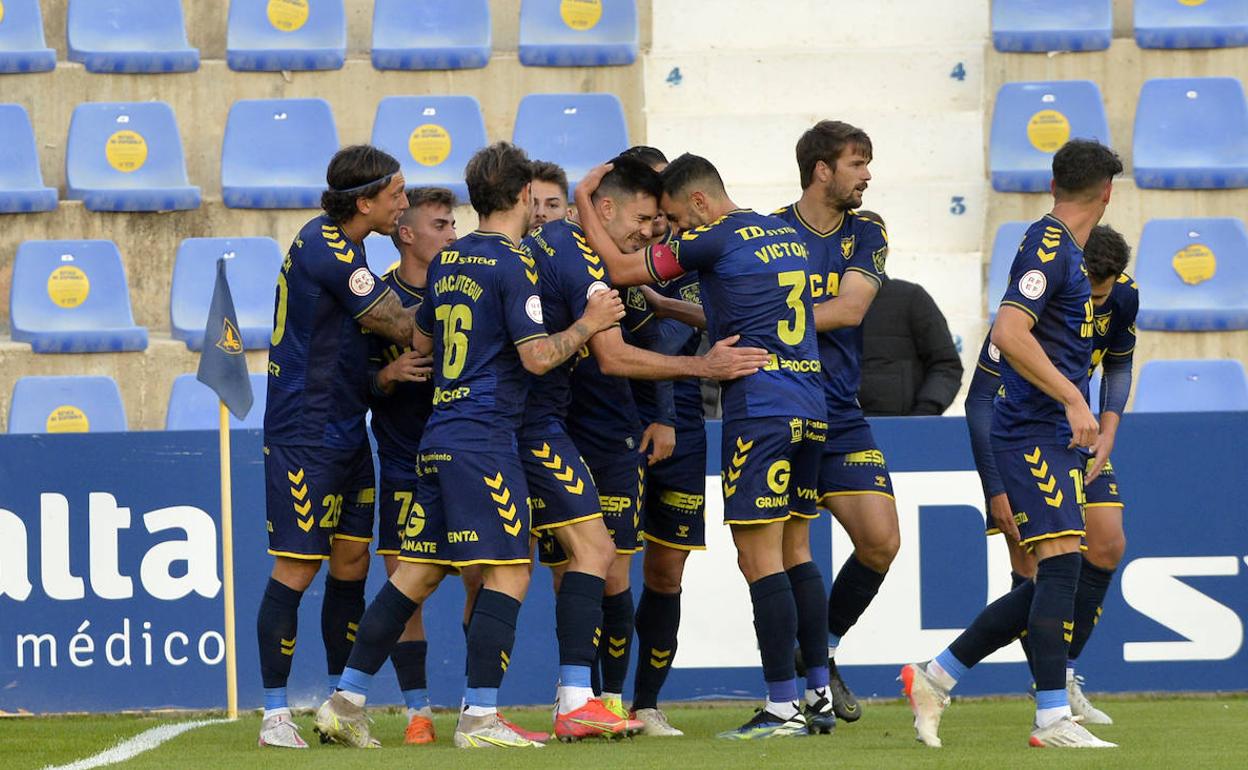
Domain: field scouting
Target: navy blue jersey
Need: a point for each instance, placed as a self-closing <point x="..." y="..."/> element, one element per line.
<point x="1049" y="282"/>
<point x="318" y="360"/>
<point x="399" y="418"/>
<point x="679" y="339"/>
<point x="1114" y="333"/>
<point x="482" y="301"/>
<point x="754" y="274"/>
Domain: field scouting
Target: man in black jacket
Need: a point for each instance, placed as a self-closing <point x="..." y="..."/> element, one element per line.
<point x="909" y="362"/>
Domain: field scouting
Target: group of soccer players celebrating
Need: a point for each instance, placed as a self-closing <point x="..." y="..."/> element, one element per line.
<point x="535" y="388"/>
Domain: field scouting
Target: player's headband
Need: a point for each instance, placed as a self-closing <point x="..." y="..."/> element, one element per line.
<point x="383" y="181"/>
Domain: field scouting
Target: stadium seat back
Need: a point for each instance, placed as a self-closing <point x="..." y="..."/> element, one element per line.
<point x="380" y="253"/>
<point x="251" y="268"/>
<point x="578" y="33"/>
<point x="21" y="181"/>
<point x="1031" y="121"/>
<point x="1191" y="133"/>
<point x="129" y="36"/>
<point x="127" y="157"/>
<point x="75" y="404"/>
<point x="1004" y="248"/>
<point x="72" y="297"/>
<point x="275" y="153"/>
<point x="22" y="45"/>
<point x="1193" y="275"/>
<point x="274" y="35"/>
<point x="576" y="131"/>
<point x="1038" y="26"/>
<point x="431" y="35"/>
<point x="1206" y="385"/>
<point x="1188" y="24"/>
<point x="432" y="136"/>
<point x="194" y="406"/>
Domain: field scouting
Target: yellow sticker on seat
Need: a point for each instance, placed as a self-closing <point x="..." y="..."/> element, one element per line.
<point x="67" y="419"/>
<point x="429" y="144"/>
<point x="287" y="15"/>
<point x="126" y="151"/>
<point x="1048" y="130"/>
<point x="581" y="15"/>
<point x="68" y="286"/>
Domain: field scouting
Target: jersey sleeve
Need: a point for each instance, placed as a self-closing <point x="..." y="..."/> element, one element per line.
<point x="424" y="315"/>
<point x="1038" y="273"/>
<point x="870" y="252"/>
<point x="339" y="268"/>
<point x="637" y="311"/>
<point x="522" y="298"/>
<point x="979" y="405"/>
<point x="1122" y="343"/>
<point x="692" y="251"/>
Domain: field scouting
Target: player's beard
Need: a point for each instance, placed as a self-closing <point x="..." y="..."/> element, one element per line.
<point x="842" y="203"/>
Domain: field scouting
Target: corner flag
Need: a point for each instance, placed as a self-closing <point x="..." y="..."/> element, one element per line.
<point x="222" y="365"/>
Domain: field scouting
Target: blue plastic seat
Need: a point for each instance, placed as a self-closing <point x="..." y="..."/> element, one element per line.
<point x="22" y="45"/>
<point x="576" y="131"/>
<point x="1031" y="121"/>
<point x="578" y="33"/>
<point x="1193" y="275"/>
<point x="1004" y="248"/>
<point x="73" y="404"/>
<point x="380" y="253"/>
<point x="274" y="35"/>
<point x="72" y="297"/>
<point x="432" y="136"/>
<point x="275" y="153"/>
<point x="129" y="36"/>
<point x="1206" y="385"/>
<point x="431" y="35"/>
<point x="1191" y="133"/>
<point x="194" y="406"/>
<point x="251" y="267"/>
<point x="127" y="157"/>
<point x="1204" y="24"/>
<point x="21" y="181"/>
<point x="1039" y="26"/>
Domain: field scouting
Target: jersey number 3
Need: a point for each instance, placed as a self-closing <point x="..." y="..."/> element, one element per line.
<point x="456" y="322"/>
<point x="792" y="331"/>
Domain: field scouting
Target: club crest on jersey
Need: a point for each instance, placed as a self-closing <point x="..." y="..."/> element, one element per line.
<point x="877" y="259"/>
<point x="692" y="293"/>
<point x="1102" y="324"/>
<point x="637" y="300"/>
<point x="847" y="247"/>
<point x="361" y="282"/>
<point x="230" y="342"/>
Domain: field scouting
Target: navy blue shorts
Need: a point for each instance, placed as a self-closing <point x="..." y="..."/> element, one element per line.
<point x="770" y="467"/>
<point x="1104" y="488"/>
<point x="561" y="488"/>
<point x="862" y="471"/>
<point x="1045" y="488"/>
<point x="675" y="502"/>
<point x="314" y="494"/>
<point x="621" y="489"/>
<point x="399" y="481"/>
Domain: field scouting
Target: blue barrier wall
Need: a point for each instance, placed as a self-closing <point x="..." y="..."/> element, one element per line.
<point x="110" y="576"/>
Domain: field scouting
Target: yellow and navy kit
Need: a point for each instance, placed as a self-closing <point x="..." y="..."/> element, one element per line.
<point x="316" y="494"/>
<point x="1113" y="345"/>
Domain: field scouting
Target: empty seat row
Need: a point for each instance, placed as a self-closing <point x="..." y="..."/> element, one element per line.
<point x="149" y="36"/>
<point x="1190" y="133"/>
<point x="1192" y="273"/>
<point x="1040" y="26"/>
<point x="128" y="156"/>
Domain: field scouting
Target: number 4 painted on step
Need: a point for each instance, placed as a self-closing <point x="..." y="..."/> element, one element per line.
<point x="674" y="77"/>
<point x="959" y="72"/>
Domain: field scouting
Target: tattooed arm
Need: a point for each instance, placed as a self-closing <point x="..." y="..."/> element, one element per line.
<point x="540" y="355"/>
<point x="390" y="319"/>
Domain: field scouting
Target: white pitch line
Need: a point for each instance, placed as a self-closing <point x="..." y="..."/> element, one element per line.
<point x="132" y="747"/>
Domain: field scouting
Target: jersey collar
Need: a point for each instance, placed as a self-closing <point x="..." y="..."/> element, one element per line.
<point x="845" y="217"/>
<point x="416" y="291"/>
<point x="1062" y="225"/>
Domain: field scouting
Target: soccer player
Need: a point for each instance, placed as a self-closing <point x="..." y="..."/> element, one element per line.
<point x="1116" y="300"/>
<point x="319" y="489"/>
<point x="847" y="254"/>
<point x="1044" y="330"/>
<point x="482" y="320"/>
<point x="753" y="272"/>
<point x="401" y="401"/>
<point x="550" y="192"/>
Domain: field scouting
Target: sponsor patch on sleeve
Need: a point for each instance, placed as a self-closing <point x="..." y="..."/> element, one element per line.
<point x="361" y="282"/>
<point x="1032" y="284"/>
<point x="533" y="308"/>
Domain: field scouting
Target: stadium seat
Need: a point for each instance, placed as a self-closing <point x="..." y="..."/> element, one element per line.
<point x="274" y="35"/>
<point x="578" y="33"/>
<point x="380" y="253"/>
<point x="129" y="36"/>
<point x="1192" y="386"/>
<point x="577" y="131"/>
<point x="21" y="181"/>
<point x="72" y="297"/>
<point x="75" y="404"/>
<point x="1004" y="247"/>
<point x="1039" y="26"/>
<point x="431" y="35"/>
<point x="22" y="45"/>
<point x="432" y="136"/>
<point x="251" y="268"/>
<point x="1193" y="275"/>
<point x="1031" y="121"/>
<point x="1191" y="133"/>
<point x="127" y="157"/>
<point x="275" y="153"/>
<point x="194" y="406"/>
<point x="1188" y="24"/>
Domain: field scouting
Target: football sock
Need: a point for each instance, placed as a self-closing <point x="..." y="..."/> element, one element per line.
<point x="1017" y="580"/>
<point x="997" y="625"/>
<point x="275" y="701"/>
<point x="852" y="591"/>
<point x="380" y="627"/>
<point x="1051" y="705"/>
<point x="340" y="618"/>
<point x="276" y="625"/>
<point x="785" y="709"/>
<point x="1049" y="624"/>
<point x="1089" y="596"/>
<point x="775" y="625"/>
<point x="946" y="669"/>
<point x="491" y="636"/>
<point x="578" y="626"/>
<point x="409" y="666"/>
<point x="658" y="621"/>
<point x="574" y="689"/>
<point x="812" y="621"/>
<point x="617" y="629"/>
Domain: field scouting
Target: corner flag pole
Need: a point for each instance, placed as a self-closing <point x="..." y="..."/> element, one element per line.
<point x="227" y="566"/>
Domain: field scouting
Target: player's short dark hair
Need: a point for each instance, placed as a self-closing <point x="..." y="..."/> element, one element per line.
<point x="872" y="216"/>
<point x="349" y="175"/>
<point x="1082" y="166"/>
<point x="628" y="177"/>
<point x="651" y="156"/>
<point x="551" y="173"/>
<point x="496" y="175"/>
<point x="825" y="141"/>
<point x="688" y="171"/>
<point x="423" y="196"/>
<point x="1106" y="253"/>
